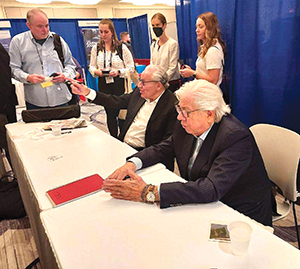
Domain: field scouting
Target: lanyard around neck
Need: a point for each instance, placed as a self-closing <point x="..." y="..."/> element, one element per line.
<point x="38" y="53"/>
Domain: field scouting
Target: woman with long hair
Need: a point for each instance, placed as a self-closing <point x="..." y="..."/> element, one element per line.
<point x="110" y="61"/>
<point x="211" y="51"/>
<point x="165" y="51"/>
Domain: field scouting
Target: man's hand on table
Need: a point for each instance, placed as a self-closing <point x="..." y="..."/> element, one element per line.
<point x="128" y="189"/>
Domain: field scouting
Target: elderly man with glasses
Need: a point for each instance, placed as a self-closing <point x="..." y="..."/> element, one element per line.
<point x="215" y="152"/>
<point x="151" y="113"/>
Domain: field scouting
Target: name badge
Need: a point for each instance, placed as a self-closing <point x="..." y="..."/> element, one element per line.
<point x="109" y="80"/>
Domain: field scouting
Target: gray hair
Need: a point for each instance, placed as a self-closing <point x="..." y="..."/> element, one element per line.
<point x="159" y="74"/>
<point x="34" y="11"/>
<point x="206" y="96"/>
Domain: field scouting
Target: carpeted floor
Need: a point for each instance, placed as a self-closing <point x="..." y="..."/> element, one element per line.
<point x="17" y="247"/>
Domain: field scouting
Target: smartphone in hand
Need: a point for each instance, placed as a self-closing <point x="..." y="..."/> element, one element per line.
<point x="182" y="65"/>
<point x="105" y="73"/>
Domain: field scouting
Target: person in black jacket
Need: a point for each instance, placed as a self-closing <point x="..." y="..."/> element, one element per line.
<point x="151" y="112"/>
<point x="215" y="153"/>
<point x="11" y="205"/>
<point x="8" y="97"/>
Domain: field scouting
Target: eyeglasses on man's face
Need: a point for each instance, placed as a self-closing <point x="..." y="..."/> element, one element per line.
<point x="146" y="81"/>
<point x="183" y="112"/>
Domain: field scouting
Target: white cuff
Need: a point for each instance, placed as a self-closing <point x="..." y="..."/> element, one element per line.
<point x="137" y="161"/>
<point x="92" y="95"/>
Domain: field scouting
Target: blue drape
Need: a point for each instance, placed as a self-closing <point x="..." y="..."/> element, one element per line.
<point x="140" y="38"/>
<point x="263" y="52"/>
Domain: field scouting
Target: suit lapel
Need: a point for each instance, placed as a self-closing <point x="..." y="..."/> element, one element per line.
<point x="162" y="102"/>
<point x="204" y="152"/>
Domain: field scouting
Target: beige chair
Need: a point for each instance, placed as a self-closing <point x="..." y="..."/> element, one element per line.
<point x="280" y="150"/>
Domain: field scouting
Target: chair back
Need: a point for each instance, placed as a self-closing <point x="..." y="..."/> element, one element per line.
<point x="280" y="150"/>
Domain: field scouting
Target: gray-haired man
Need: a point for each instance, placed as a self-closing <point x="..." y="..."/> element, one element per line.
<point x="151" y="113"/>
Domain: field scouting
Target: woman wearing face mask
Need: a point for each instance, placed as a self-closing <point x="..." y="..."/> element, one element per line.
<point x="165" y="51"/>
<point x="110" y="61"/>
<point x="209" y="64"/>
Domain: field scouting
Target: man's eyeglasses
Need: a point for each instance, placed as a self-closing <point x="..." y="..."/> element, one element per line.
<point x="184" y="113"/>
<point x="144" y="81"/>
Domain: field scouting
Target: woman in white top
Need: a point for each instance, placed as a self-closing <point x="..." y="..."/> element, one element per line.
<point x="165" y="51"/>
<point x="209" y="64"/>
<point x="110" y="61"/>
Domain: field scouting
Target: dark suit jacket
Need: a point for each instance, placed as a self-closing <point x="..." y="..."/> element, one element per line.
<point x="228" y="168"/>
<point x="8" y="98"/>
<point x="161" y="122"/>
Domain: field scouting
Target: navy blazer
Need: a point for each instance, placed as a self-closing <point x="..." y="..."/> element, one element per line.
<point x="228" y="168"/>
<point x="161" y="123"/>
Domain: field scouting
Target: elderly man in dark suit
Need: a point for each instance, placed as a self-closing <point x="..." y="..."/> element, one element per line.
<point x="151" y="113"/>
<point x="215" y="152"/>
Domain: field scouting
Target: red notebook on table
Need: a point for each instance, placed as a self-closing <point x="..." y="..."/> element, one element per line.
<point x="74" y="190"/>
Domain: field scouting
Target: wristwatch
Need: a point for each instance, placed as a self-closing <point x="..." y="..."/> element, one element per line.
<point x="194" y="75"/>
<point x="148" y="194"/>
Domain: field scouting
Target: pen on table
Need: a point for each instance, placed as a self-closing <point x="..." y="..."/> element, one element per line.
<point x="66" y="132"/>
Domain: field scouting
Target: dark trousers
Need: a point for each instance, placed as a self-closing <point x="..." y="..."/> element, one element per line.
<point x="3" y="141"/>
<point x="116" y="88"/>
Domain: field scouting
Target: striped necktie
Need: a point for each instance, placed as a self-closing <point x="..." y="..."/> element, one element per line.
<point x="194" y="155"/>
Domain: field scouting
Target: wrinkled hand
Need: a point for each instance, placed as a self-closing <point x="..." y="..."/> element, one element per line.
<point x="59" y="79"/>
<point x="128" y="189"/>
<point x="34" y="78"/>
<point x="79" y="88"/>
<point x="123" y="171"/>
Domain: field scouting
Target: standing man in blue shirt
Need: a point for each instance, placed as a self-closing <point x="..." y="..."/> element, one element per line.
<point x="36" y="63"/>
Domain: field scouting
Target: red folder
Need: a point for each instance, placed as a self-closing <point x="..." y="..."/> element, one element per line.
<point x="74" y="190"/>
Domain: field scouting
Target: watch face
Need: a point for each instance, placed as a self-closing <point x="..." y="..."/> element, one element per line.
<point x="150" y="197"/>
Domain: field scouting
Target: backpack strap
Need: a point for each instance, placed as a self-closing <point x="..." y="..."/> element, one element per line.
<point x="58" y="48"/>
<point x="120" y="51"/>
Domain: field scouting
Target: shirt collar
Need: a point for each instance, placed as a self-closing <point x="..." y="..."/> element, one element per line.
<point x="156" y="100"/>
<point x="205" y="134"/>
<point x="32" y="37"/>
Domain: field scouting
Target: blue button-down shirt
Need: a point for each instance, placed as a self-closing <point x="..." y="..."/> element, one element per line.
<point x="29" y="57"/>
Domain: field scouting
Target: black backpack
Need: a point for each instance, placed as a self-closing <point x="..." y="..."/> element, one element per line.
<point x="58" y="48"/>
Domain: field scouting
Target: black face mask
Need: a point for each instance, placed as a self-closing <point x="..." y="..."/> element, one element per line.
<point x="158" y="31"/>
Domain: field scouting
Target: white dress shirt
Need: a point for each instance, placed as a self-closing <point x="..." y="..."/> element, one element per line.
<point x="135" y="136"/>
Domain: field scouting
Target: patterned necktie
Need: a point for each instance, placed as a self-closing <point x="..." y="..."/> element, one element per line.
<point x="194" y="155"/>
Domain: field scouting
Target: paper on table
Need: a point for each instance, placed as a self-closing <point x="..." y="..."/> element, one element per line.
<point x="67" y="124"/>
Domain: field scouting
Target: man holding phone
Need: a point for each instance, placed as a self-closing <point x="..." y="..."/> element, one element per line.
<point x="36" y="63"/>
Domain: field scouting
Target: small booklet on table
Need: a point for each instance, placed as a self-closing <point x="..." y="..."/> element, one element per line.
<point x="74" y="190"/>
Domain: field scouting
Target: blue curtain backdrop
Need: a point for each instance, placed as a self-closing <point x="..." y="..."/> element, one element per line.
<point x="263" y="55"/>
<point x="140" y="38"/>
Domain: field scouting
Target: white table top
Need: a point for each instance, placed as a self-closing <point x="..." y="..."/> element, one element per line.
<point x="52" y="162"/>
<point x="101" y="232"/>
